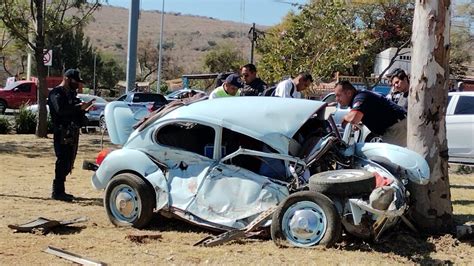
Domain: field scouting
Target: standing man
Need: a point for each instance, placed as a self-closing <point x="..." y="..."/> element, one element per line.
<point x="67" y="115"/>
<point x="253" y="86"/>
<point x="292" y="88"/>
<point x="230" y="87"/>
<point x="381" y="116"/>
<point x="400" y="87"/>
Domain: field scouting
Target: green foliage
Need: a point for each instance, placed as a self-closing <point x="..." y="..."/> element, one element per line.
<point x="222" y="58"/>
<point x="5" y="125"/>
<point x="320" y="40"/>
<point x="25" y="121"/>
<point x="459" y="56"/>
<point x="329" y="36"/>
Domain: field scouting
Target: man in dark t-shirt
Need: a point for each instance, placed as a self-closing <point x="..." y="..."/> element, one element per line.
<point x="381" y="116"/>
<point x="253" y="86"/>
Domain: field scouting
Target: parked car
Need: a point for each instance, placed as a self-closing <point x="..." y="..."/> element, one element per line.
<point x="17" y="94"/>
<point x="181" y="94"/>
<point x="460" y="127"/>
<point x="151" y="100"/>
<point x="95" y="113"/>
<point x="212" y="166"/>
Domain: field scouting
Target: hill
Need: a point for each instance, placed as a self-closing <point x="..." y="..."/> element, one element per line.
<point x="189" y="37"/>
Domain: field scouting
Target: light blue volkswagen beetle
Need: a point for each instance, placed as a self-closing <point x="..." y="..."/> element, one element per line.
<point x="221" y="163"/>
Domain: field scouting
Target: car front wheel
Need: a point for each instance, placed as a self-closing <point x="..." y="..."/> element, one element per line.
<point x="3" y="107"/>
<point x="306" y="219"/>
<point x="129" y="201"/>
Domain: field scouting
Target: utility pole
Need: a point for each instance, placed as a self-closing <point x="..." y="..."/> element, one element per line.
<point x="253" y="35"/>
<point x="95" y="60"/>
<point x="132" y="44"/>
<point x="160" y="56"/>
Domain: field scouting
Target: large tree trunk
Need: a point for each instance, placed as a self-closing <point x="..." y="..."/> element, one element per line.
<point x="432" y="209"/>
<point x="42" y="120"/>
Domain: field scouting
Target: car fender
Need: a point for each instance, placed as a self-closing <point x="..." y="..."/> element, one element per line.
<point x="415" y="166"/>
<point x="129" y="160"/>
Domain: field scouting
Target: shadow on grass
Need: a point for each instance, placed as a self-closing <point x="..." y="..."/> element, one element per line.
<point x="88" y="201"/>
<point x="79" y="200"/>
<point x="161" y="223"/>
<point x="416" y="248"/>
<point x="462" y="186"/>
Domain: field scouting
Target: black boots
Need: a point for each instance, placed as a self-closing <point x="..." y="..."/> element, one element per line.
<point x="59" y="192"/>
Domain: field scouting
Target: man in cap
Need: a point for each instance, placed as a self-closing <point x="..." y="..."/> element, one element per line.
<point x="230" y="87"/>
<point x="67" y="116"/>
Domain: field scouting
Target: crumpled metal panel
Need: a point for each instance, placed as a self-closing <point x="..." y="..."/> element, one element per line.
<point x="417" y="169"/>
<point x="230" y="196"/>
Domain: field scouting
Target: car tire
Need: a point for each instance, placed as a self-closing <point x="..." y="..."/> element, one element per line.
<point x="3" y="107"/>
<point x="343" y="183"/>
<point x="306" y="219"/>
<point x="373" y="138"/>
<point x="129" y="201"/>
<point x="102" y="124"/>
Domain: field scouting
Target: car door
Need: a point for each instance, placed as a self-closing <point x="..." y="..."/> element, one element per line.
<point x="186" y="148"/>
<point x="233" y="193"/>
<point x="460" y="128"/>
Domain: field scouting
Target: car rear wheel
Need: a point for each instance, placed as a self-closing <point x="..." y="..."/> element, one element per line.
<point x="129" y="201"/>
<point x="306" y="219"/>
<point x="344" y="183"/>
<point x="3" y="107"/>
<point x="102" y="124"/>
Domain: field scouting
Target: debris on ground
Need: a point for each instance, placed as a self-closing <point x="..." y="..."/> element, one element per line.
<point x="43" y="225"/>
<point x="72" y="257"/>
<point x="142" y="237"/>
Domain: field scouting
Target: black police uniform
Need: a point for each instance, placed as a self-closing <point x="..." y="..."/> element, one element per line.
<point x="379" y="113"/>
<point x="67" y="118"/>
<point x="254" y="88"/>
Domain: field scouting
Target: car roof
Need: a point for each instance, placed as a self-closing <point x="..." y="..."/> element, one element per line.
<point x="16" y="83"/>
<point x="469" y="93"/>
<point x="273" y="120"/>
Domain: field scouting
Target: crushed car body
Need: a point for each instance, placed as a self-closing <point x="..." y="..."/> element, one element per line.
<point x="221" y="163"/>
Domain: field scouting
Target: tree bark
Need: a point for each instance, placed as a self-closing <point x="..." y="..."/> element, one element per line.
<point x="431" y="207"/>
<point x="42" y="93"/>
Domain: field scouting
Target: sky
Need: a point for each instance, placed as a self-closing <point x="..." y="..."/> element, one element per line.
<point x="261" y="12"/>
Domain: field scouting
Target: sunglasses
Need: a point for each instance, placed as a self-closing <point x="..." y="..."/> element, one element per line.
<point x="244" y="75"/>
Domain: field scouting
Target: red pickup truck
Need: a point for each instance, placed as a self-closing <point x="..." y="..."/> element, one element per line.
<point x="16" y="94"/>
<point x="23" y="92"/>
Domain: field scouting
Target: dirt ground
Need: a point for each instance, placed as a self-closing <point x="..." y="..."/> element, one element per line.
<point x="26" y="171"/>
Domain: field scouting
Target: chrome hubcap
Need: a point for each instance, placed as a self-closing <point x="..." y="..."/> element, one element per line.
<point x="304" y="223"/>
<point x="124" y="203"/>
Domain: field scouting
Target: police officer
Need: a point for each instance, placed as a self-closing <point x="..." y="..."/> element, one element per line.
<point x="381" y="116"/>
<point x="67" y="115"/>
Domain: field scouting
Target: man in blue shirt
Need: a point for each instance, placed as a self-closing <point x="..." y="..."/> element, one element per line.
<point x="381" y="116"/>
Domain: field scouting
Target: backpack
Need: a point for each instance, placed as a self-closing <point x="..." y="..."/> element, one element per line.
<point x="270" y="91"/>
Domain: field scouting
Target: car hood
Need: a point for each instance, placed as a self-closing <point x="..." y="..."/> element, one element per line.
<point x="272" y="120"/>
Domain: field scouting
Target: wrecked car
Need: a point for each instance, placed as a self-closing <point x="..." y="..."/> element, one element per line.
<point x="220" y="164"/>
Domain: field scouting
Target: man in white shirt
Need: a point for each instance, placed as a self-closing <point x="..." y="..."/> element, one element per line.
<point x="292" y="88"/>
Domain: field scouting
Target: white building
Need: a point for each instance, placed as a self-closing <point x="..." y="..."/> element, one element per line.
<point x="403" y="60"/>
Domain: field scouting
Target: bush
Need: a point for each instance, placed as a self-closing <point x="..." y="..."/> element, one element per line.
<point x="25" y="121"/>
<point x="5" y="125"/>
